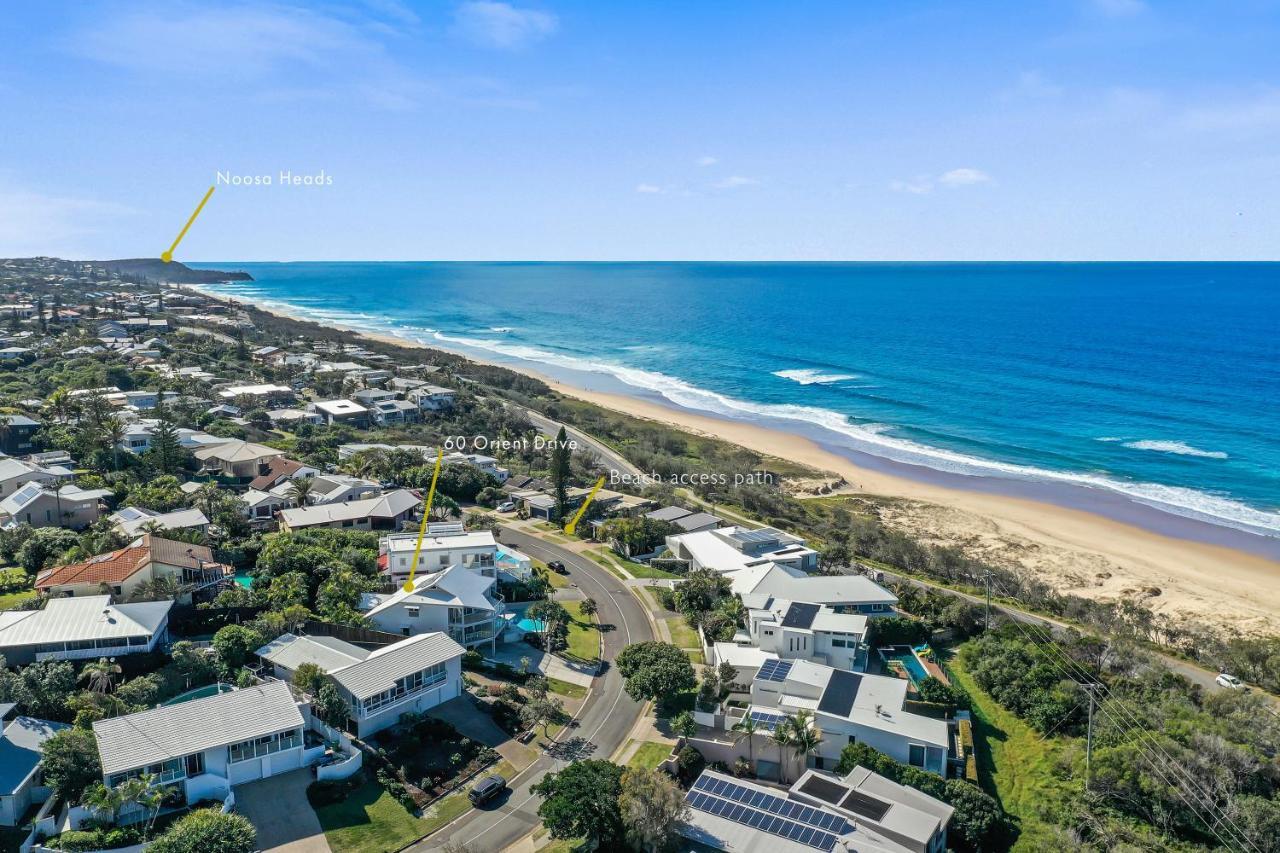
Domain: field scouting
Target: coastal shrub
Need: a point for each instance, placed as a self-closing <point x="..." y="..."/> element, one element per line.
<point x="208" y="831"/>
<point x="329" y="791"/>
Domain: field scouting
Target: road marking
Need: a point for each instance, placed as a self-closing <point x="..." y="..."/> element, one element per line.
<point x="167" y="255"/>
<point x="573" y="525"/>
<point x="422" y="529"/>
<point x="556" y="763"/>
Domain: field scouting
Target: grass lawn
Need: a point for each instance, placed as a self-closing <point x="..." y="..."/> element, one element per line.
<point x="650" y="754"/>
<point x="681" y="634"/>
<point x="640" y="570"/>
<point x="10" y="600"/>
<point x="372" y="821"/>
<point x="566" y="688"/>
<point x="1015" y="765"/>
<point x="554" y="578"/>
<point x="584" y="636"/>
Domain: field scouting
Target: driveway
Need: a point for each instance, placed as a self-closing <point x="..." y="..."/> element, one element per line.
<point x="461" y="713"/>
<point x="278" y="809"/>
<point x="548" y="665"/>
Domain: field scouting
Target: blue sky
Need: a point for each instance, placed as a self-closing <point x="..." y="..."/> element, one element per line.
<point x="1065" y="129"/>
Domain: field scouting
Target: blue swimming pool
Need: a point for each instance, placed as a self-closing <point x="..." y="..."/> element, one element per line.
<point x="905" y="656"/>
<point x="524" y="623"/>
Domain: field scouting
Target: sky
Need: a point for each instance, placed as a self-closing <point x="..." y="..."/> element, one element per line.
<point x="557" y="130"/>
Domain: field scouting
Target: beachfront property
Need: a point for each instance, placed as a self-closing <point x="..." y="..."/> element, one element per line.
<point x="731" y="549"/>
<point x="55" y="505"/>
<point x="448" y="544"/>
<point x="132" y="521"/>
<point x="456" y="601"/>
<point x="200" y="748"/>
<point x="841" y="593"/>
<point x="82" y="628"/>
<point x="686" y="520"/>
<point x="431" y="398"/>
<point x="860" y="811"/>
<point x="796" y="630"/>
<point x="411" y="676"/>
<point x="21" y="743"/>
<point x="237" y="459"/>
<point x="119" y="573"/>
<point x="386" y="512"/>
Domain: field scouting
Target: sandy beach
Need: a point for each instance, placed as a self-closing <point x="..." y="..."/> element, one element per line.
<point x="1073" y="550"/>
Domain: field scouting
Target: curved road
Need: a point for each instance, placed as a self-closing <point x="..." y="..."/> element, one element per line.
<point x="610" y="457"/>
<point x="602" y="725"/>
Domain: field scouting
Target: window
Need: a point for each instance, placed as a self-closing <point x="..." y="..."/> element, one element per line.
<point x="915" y="755"/>
<point x="264" y="745"/>
<point x="411" y="610"/>
<point x="410" y="684"/>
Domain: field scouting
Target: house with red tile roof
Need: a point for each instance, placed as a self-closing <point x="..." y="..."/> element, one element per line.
<point x="119" y="573"/>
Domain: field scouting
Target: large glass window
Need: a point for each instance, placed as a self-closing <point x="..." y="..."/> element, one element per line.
<point x="264" y="745"/>
<point x="915" y="755"/>
<point x="414" y="683"/>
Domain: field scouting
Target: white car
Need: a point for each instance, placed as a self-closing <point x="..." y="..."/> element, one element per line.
<point x="1230" y="682"/>
<point x="506" y="507"/>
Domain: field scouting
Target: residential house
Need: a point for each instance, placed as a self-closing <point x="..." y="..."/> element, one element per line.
<point x="370" y="396"/>
<point x="132" y="521"/>
<point x="796" y="630"/>
<point x="461" y="603"/>
<point x="685" y="520"/>
<point x="200" y="748"/>
<point x="262" y="395"/>
<point x="385" y="512"/>
<point x="57" y="505"/>
<point x="431" y="398"/>
<point x="340" y="488"/>
<point x="841" y="593"/>
<point x="21" y="743"/>
<point x="241" y="459"/>
<point x="861" y="811"/>
<point x="341" y="412"/>
<point x="289" y="418"/>
<point x="81" y="628"/>
<point x="282" y="470"/>
<point x="261" y="507"/>
<point x="445" y="544"/>
<point x="17" y="435"/>
<point x="267" y="354"/>
<point x="15" y="473"/>
<point x="388" y="413"/>
<point x="847" y="707"/>
<point x="729" y="549"/>
<point x="122" y="571"/>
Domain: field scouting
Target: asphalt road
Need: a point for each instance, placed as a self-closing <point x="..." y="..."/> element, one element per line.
<point x="610" y="457"/>
<point x="602" y="725"/>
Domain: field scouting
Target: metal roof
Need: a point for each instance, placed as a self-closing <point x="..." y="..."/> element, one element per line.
<point x="172" y="731"/>
<point x="82" y="618"/>
<point x="328" y="653"/>
<point x="379" y="671"/>
<point x="20" y="750"/>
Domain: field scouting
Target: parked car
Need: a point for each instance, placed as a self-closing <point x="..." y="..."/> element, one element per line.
<point x="557" y="567"/>
<point x="507" y="506"/>
<point x="486" y="789"/>
<point x="1230" y="682"/>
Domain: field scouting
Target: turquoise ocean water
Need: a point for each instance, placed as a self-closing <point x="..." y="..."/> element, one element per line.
<point x="1146" y="392"/>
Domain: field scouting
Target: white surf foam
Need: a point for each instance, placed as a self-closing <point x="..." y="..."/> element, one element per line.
<point x="1178" y="448"/>
<point x="807" y="376"/>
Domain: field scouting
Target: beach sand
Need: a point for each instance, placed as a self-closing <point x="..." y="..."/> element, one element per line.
<point x="1074" y="551"/>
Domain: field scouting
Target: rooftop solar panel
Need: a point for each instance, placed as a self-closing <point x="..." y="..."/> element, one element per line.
<point x="869" y="807"/>
<point x="841" y="691"/>
<point x="774" y="670"/>
<point x="824" y="789"/>
<point x="800" y="615"/>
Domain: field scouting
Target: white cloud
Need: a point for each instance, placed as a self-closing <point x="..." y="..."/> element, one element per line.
<point x="925" y="184"/>
<point x="648" y="188"/>
<point x="1119" y="8"/>
<point x="734" y="181"/>
<point x="963" y="177"/>
<point x="495" y="24"/>
<point x="707" y="161"/>
<point x="919" y="185"/>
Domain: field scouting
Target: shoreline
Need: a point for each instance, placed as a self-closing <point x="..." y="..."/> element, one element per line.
<point x="1074" y="550"/>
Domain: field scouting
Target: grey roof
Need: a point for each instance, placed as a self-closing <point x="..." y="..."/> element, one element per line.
<point x="698" y="520"/>
<point x="668" y="513"/>
<point x="387" y="506"/>
<point x="379" y="671"/>
<point x="328" y="653"/>
<point x="90" y="617"/>
<point x="20" y="750"/>
<point x="456" y="586"/>
<point x="172" y="731"/>
<point x="800" y="615"/>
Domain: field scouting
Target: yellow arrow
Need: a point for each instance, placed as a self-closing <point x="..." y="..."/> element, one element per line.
<point x="167" y="255"/>
<point x="426" y="512"/>
<point x="572" y="525"/>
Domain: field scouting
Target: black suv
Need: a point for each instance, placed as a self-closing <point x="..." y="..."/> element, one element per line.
<point x="486" y="789"/>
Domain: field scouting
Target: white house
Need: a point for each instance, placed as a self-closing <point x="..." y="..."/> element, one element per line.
<point x="861" y="812"/>
<point x="334" y="489"/>
<point x="443" y="545"/>
<point x="394" y="412"/>
<point x="731" y="549"/>
<point x="21" y="742"/>
<point x="82" y="627"/>
<point x="849" y="707"/>
<point x="413" y="675"/>
<point x="431" y="398"/>
<point x="341" y="412"/>
<point x="795" y="630"/>
<point x="841" y="593"/>
<point x="202" y="747"/>
<point x="131" y="520"/>
<point x="456" y="601"/>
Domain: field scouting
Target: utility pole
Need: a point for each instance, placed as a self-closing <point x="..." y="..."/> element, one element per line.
<point x="987" y="574"/>
<point x="1088" y="743"/>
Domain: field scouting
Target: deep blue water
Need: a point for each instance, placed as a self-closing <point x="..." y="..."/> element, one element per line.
<point x="1150" y="383"/>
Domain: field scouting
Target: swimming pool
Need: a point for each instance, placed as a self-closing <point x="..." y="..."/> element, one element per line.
<point x="905" y="656"/>
<point x="529" y="626"/>
<point x="200" y="693"/>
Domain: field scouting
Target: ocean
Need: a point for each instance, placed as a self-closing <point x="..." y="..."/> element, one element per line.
<point x="1147" y="392"/>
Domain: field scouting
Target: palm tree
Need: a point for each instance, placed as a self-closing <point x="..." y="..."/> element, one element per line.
<point x="113" y="432"/>
<point x="781" y="738"/>
<point x="805" y="736"/>
<point x="101" y="798"/>
<point x="746" y="729"/>
<point x="101" y="674"/>
<point x="301" y="489"/>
